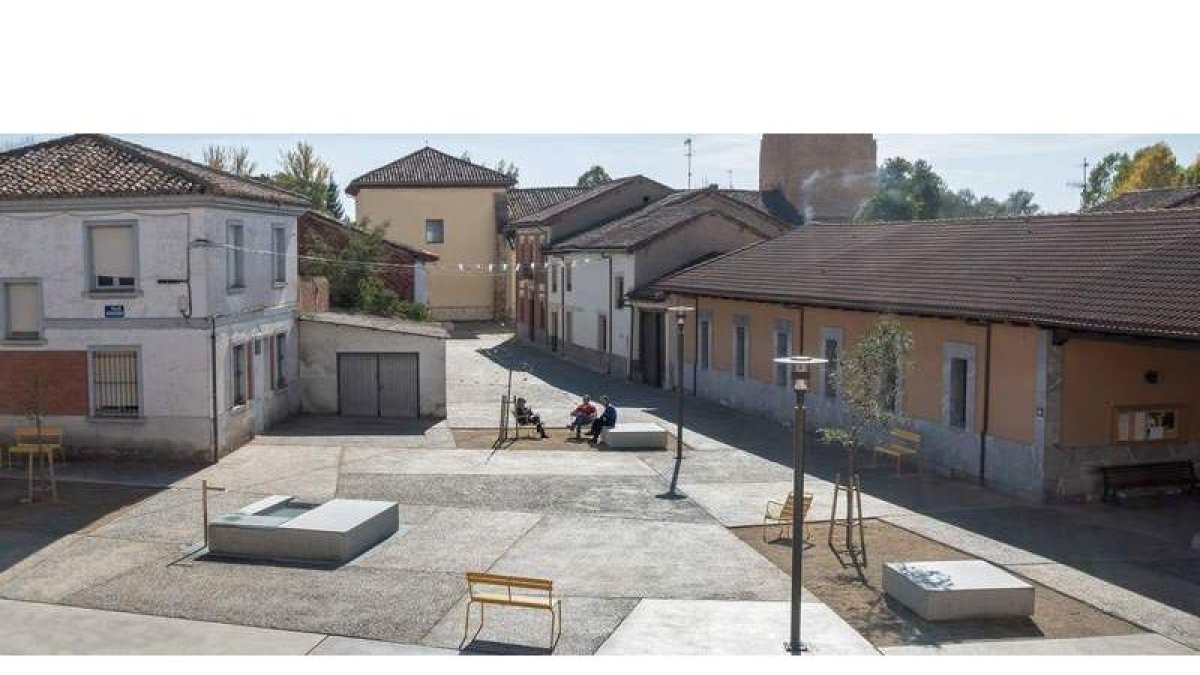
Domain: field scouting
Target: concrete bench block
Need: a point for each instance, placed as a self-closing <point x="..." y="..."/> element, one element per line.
<point x="278" y="528"/>
<point x="957" y="589"/>
<point x="640" y="435"/>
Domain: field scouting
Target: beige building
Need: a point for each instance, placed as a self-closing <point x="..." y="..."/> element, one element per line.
<point x="432" y="201"/>
<point x="1043" y="347"/>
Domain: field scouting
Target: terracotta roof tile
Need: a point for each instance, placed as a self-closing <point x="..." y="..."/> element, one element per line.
<point x="1155" y="198"/>
<point x="523" y="201"/>
<point x="95" y="165"/>
<point x="428" y="167"/>
<point x="1132" y="273"/>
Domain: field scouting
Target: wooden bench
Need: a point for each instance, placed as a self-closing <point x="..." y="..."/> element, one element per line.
<point x="901" y="443"/>
<point x="498" y="590"/>
<point x="782" y="514"/>
<point x="1153" y="477"/>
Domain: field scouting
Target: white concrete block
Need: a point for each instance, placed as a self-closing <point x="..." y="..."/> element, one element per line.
<point x="634" y="435"/>
<point x="957" y="589"/>
<point x="335" y="531"/>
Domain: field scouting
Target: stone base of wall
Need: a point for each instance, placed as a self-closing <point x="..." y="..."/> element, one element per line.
<point x="1072" y="474"/>
<point x="746" y="394"/>
<point x="158" y="439"/>
<point x="594" y="360"/>
<point x="461" y="313"/>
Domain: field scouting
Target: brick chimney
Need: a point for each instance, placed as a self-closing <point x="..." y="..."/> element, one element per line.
<point x="826" y="177"/>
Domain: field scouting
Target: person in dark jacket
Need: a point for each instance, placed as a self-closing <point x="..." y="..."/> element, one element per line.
<point x="527" y="417"/>
<point x="608" y="418"/>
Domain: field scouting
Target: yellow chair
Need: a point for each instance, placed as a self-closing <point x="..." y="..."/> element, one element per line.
<point x="542" y="597"/>
<point x="782" y="514"/>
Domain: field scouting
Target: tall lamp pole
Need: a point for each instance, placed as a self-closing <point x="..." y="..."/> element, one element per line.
<point x="680" y="313"/>
<point x="800" y="374"/>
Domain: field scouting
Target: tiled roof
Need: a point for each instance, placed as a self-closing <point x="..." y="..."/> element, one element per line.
<point x="312" y="222"/>
<point x="549" y="212"/>
<point x="430" y="168"/>
<point x="1156" y="198"/>
<point x="1126" y="272"/>
<point x="646" y="224"/>
<point x="95" y="165"/>
<point x="523" y="201"/>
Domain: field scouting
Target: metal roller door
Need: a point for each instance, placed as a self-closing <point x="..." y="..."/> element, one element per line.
<point x="378" y="385"/>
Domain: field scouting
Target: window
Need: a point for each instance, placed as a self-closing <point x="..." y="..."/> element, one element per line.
<point x="115" y="391"/>
<point x="21" y="307"/>
<point x="832" y="349"/>
<point x="568" y="273"/>
<point x="241" y="388"/>
<point x="620" y="292"/>
<point x="741" y="351"/>
<point x="112" y="257"/>
<point x="279" y="354"/>
<point x="235" y="237"/>
<point x="602" y="332"/>
<point x="279" y="251"/>
<point x="705" y="343"/>
<point x="1147" y="423"/>
<point x="569" y="329"/>
<point x="958" y="393"/>
<point x="783" y="347"/>
<point x="554" y="279"/>
<point x="435" y="232"/>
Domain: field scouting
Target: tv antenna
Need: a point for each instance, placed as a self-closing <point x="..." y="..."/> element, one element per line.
<point x="730" y="179"/>
<point x="1082" y="185"/>
<point x="688" y="143"/>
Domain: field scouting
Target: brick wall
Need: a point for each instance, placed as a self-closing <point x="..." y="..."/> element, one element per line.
<point x="63" y="376"/>
<point x="314" y="294"/>
<point x="399" y="278"/>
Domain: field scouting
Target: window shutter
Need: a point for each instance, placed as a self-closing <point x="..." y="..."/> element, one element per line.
<point x="113" y="252"/>
<point x="24" y="314"/>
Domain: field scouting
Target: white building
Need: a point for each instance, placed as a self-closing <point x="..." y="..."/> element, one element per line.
<point x="590" y="275"/>
<point x="148" y="302"/>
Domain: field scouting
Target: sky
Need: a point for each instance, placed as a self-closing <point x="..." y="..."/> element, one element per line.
<point x="988" y="164"/>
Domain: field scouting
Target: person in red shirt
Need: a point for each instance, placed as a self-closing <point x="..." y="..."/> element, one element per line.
<point x="583" y="415"/>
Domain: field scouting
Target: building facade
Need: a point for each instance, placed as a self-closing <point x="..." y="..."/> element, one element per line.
<point x="1036" y="357"/>
<point x="148" y="303"/>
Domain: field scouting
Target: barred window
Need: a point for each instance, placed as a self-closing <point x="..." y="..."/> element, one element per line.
<point x="280" y="349"/>
<point x="115" y="383"/>
<point x="240" y="388"/>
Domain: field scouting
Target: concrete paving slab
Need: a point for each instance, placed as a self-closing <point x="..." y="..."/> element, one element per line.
<point x="621" y="496"/>
<point x="34" y="628"/>
<point x="78" y="563"/>
<point x="318" y="485"/>
<point x="712" y="627"/>
<point x="738" y="504"/>
<point x="258" y="463"/>
<point x="79" y="506"/>
<point x="1142" y="644"/>
<point x="19" y="545"/>
<point x="452" y="540"/>
<point x="587" y="622"/>
<point x="392" y="605"/>
<point x="965" y="540"/>
<point x="173" y="517"/>
<point x="336" y="645"/>
<point x="617" y="557"/>
<point x="500" y="463"/>
<point x="1173" y="623"/>
<point x="730" y="466"/>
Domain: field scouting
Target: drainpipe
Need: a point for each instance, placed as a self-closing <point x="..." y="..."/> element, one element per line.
<point x="695" y="344"/>
<point x="987" y="390"/>
<point x="611" y="311"/>
<point x="216" y="425"/>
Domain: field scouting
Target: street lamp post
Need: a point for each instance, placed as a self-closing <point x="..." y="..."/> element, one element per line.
<point x="680" y="313"/>
<point x="800" y="375"/>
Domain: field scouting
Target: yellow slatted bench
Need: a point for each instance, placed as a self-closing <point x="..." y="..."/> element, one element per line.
<point x="782" y="514"/>
<point x="498" y="589"/>
<point x="32" y="442"/>
<point x="901" y="444"/>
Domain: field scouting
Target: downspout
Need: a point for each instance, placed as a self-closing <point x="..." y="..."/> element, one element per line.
<point x="987" y="390"/>
<point x="695" y="343"/>
<point x="562" y="307"/>
<point x="216" y="426"/>
<point x="611" y="311"/>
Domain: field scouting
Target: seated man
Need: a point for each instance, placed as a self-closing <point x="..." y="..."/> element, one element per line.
<point x="583" y="414"/>
<point x="608" y="418"/>
<point x="527" y="417"/>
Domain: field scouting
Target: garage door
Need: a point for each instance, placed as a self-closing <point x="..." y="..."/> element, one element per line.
<point x="378" y="385"/>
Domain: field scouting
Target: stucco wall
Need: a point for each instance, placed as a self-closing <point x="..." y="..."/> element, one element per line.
<point x="321" y="342"/>
<point x="469" y="215"/>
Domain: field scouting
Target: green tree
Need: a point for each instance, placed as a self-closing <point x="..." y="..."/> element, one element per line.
<point x="1153" y="166"/>
<point x="304" y="172"/>
<point x="914" y="191"/>
<point x="333" y="200"/>
<point x="508" y="169"/>
<point x="891" y="200"/>
<point x="1019" y="203"/>
<point x="593" y="176"/>
<point x="868" y="381"/>
<point x="1191" y="175"/>
<point x="925" y="191"/>
<point x="233" y="159"/>
<point x="1101" y="180"/>
<point x="355" y="274"/>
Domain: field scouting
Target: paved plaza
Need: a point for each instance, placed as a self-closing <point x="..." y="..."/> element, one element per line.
<point x="637" y="574"/>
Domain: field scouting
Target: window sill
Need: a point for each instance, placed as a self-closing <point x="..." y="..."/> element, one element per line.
<point x="279" y="284"/>
<point x="116" y="420"/>
<point x="130" y="293"/>
<point x="234" y="290"/>
<point x="23" y="342"/>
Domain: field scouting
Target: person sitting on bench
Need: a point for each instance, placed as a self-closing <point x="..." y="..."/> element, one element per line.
<point x="583" y="414"/>
<point x="527" y="417"/>
<point x="608" y="418"/>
